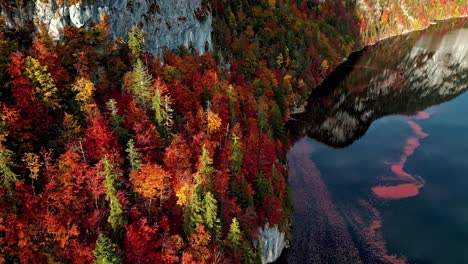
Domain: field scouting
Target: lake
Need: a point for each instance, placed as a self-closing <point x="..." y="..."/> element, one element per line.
<point x="379" y="162"/>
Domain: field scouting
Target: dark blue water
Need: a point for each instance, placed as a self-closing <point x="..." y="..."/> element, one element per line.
<point x="379" y="170"/>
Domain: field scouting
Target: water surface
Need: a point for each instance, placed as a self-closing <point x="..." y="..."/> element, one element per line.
<point x="379" y="167"/>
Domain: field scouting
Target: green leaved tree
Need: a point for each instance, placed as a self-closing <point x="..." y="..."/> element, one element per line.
<point x="107" y="252"/>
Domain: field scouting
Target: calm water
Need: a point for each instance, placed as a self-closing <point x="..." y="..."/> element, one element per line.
<point x="379" y="167"/>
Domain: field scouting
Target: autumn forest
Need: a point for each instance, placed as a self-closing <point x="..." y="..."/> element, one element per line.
<point x="111" y="154"/>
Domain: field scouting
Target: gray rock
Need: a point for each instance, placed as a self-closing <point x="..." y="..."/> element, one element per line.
<point x="272" y="243"/>
<point x="167" y="23"/>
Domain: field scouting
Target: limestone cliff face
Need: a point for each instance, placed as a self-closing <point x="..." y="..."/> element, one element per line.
<point x="272" y="242"/>
<point x="167" y="23"/>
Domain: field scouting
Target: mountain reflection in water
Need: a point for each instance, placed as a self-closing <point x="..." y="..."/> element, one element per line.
<point x="371" y="192"/>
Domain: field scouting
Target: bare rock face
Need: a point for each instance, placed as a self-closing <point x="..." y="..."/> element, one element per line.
<point x="167" y="23"/>
<point x="272" y="243"/>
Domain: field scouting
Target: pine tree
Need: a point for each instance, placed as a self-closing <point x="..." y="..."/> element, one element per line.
<point x="239" y="190"/>
<point x="211" y="220"/>
<point x="141" y="85"/>
<point x="235" y="162"/>
<point x="250" y="255"/>
<point x="262" y="187"/>
<point x="136" y="42"/>
<point x="277" y="121"/>
<point x="195" y="211"/>
<point x="107" y="252"/>
<point x="115" y="218"/>
<point x="231" y="102"/>
<point x="117" y="121"/>
<point x="133" y="155"/>
<point x="8" y="177"/>
<point x="205" y="167"/>
<point x="235" y="235"/>
<point x="161" y="105"/>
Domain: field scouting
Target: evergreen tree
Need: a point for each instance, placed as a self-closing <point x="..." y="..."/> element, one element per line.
<point x="211" y="220"/>
<point x="235" y="162"/>
<point x="107" y="252"/>
<point x="117" y="121"/>
<point x="8" y="177"/>
<point x="277" y="121"/>
<point x="136" y="43"/>
<point x="235" y="235"/>
<point x="115" y="218"/>
<point x="250" y="255"/>
<point x="133" y="155"/>
<point x="239" y="190"/>
<point x="195" y="211"/>
<point x="231" y="103"/>
<point x="205" y="167"/>
<point x="141" y="85"/>
<point x="262" y="120"/>
<point x="262" y="187"/>
<point x="161" y="105"/>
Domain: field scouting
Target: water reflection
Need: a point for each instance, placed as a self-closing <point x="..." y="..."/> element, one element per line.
<point x="342" y="185"/>
<point x="399" y="76"/>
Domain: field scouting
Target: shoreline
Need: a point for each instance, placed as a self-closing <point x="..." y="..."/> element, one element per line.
<point x="302" y="107"/>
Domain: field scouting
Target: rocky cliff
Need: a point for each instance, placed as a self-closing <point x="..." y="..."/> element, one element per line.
<point x="272" y="242"/>
<point x="167" y="23"/>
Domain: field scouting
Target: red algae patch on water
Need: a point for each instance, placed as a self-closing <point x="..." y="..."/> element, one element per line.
<point x="369" y="231"/>
<point x="422" y="115"/>
<point x="396" y="192"/>
<point x="417" y="129"/>
<point x="411" y="183"/>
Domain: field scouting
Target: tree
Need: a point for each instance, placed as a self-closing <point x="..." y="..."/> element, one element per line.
<point x="263" y="187"/>
<point x="277" y="121"/>
<point x="140" y="85"/>
<point x="136" y="42"/>
<point x="107" y="252"/>
<point x="235" y="162"/>
<point x="115" y="218"/>
<point x="8" y="177"/>
<point x="161" y="105"/>
<point x="195" y="211"/>
<point x="42" y="82"/>
<point x="133" y="155"/>
<point x="85" y="95"/>
<point x="140" y="243"/>
<point x="100" y="140"/>
<point x="235" y="235"/>
<point x="199" y="241"/>
<point x="205" y="167"/>
<point x="151" y="181"/>
<point x="33" y="164"/>
<point x="211" y="220"/>
<point x="117" y="121"/>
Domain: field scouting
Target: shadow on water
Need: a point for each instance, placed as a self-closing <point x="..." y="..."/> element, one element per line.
<point x="340" y="177"/>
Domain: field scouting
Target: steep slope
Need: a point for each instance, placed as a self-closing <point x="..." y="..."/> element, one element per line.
<point x="277" y="51"/>
<point x="167" y="23"/>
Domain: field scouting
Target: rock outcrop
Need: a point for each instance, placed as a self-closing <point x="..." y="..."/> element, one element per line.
<point x="272" y="243"/>
<point x="167" y="23"/>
